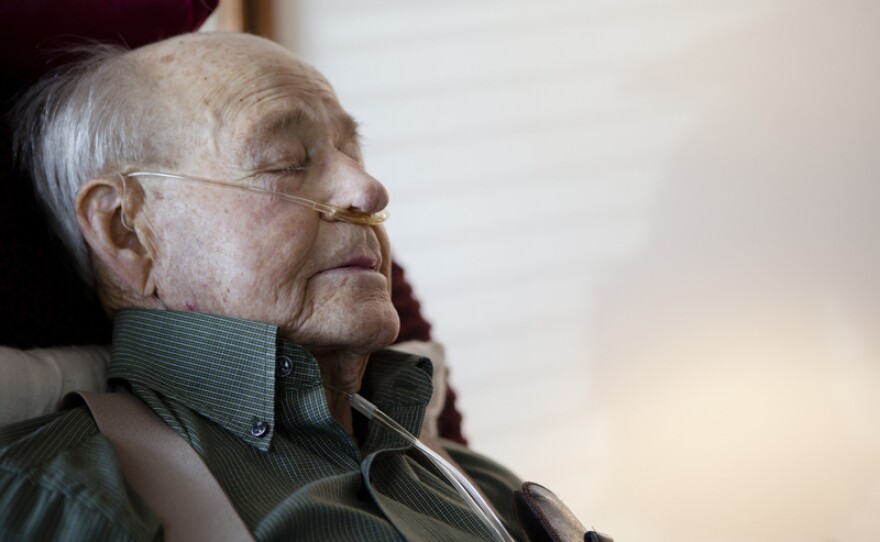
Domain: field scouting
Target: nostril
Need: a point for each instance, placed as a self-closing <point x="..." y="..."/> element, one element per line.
<point x="380" y="197"/>
<point x="353" y="188"/>
<point x="370" y="196"/>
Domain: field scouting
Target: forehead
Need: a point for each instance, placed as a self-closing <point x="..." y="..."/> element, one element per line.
<point x="235" y="89"/>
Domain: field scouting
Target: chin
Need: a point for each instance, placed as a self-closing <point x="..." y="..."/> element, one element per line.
<point x="364" y="327"/>
<point x="375" y="330"/>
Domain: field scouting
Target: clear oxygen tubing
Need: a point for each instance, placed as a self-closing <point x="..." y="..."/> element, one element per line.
<point x="330" y="211"/>
<point x="461" y="484"/>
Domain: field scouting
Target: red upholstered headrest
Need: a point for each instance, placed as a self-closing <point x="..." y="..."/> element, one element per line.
<point x="32" y="31"/>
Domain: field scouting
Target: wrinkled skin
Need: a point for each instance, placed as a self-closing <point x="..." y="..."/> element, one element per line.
<point x="233" y="106"/>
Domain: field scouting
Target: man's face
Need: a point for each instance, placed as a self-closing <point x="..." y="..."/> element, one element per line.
<point x="246" y="107"/>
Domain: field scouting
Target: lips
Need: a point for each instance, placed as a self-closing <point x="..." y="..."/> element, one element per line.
<point x="359" y="254"/>
<point x="356" y="260"/>
<point x="359" y="262"/>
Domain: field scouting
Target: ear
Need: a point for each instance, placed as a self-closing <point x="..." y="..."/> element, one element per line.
<point x="126" y="251"/>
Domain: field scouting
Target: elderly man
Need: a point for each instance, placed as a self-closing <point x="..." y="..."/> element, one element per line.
<point x="211" y="189"/>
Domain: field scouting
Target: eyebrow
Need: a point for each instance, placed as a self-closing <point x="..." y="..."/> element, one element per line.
<point x="277" y="123"/>
<point x="347" y="128"/>
<point x="350" y="129"/>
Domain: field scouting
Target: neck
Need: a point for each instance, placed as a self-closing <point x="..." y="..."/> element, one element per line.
<point x="341" y="373"/>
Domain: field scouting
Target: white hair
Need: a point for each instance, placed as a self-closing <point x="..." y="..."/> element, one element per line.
<point x="75" y="124"/>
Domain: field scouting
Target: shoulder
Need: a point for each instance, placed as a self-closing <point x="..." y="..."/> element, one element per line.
<point x="60" y="479"/>
<point x="496" y="482"/>
<point x="481" y="469"/>
<point x="17" y="433"/>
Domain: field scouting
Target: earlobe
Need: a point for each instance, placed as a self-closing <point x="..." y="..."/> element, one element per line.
<point x="123" y="245"/>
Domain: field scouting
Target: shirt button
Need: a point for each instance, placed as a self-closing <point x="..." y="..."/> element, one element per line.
<point x="258" y="429"/>
<point x="283" y="366"/>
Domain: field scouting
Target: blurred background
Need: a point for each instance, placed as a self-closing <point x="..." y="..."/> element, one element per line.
<point x="647" y="234"/>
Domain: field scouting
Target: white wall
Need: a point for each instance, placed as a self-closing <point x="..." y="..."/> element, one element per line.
<point x="647" y="233"/>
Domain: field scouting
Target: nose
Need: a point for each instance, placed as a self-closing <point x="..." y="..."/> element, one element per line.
<point x="353" y="188"/>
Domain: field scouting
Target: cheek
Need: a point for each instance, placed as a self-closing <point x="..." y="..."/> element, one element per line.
<point x="258" y="249"/>
<point x="196" y="270"/>
<point x="265" y="270"/>
<point x="217" y="257"/>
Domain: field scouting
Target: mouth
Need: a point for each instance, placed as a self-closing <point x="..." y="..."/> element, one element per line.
<point x="355" y="264"/>
<point x="358" y="263"/>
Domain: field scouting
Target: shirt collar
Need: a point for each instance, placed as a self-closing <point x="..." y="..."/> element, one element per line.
<point x="400" y="385"/>
<point x="225" y="369"/>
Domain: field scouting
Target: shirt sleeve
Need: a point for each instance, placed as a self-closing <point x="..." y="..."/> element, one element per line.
<point x="31" y="512"/>
<point x="60" y="481"/>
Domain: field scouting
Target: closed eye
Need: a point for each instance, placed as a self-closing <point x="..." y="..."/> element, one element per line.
<point x="275" y="177"/>
<point x="292" y="170"/>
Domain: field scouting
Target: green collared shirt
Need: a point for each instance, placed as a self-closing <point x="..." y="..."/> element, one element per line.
<point x="253" y="407"/>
